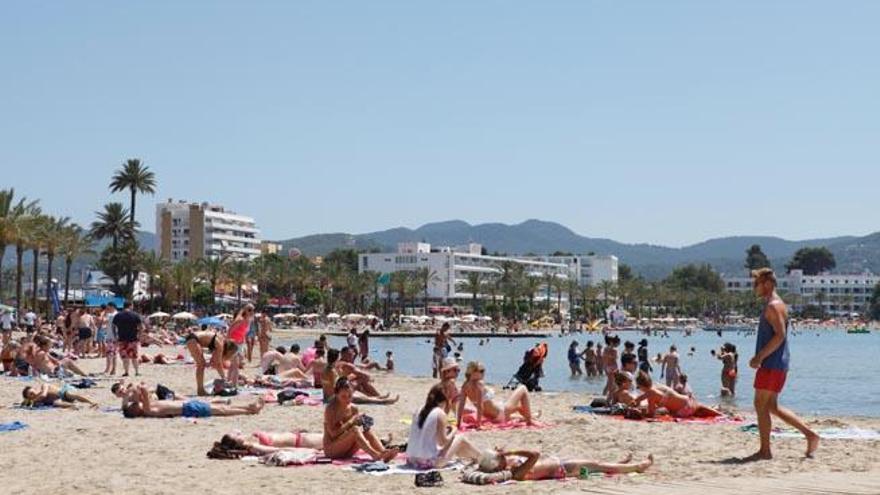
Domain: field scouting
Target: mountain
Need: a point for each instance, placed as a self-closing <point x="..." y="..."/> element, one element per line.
<point x="541" y="237"/>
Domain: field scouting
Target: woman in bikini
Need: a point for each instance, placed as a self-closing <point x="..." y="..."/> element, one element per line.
<point x="197" y="342"/>
<point x="678" y="405"/>
<point x="282" y="440"/>
<point x="346" y="430"/>
<point x="238" y="331"/>
<point x="475" y="390"/>
<point x="330" y="377"/>
<point x="526" y="465"/>
<point x="609" y="363"/>
<point x="449" y="371"/>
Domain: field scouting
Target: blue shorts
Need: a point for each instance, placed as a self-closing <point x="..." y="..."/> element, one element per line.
<point x="101" y="337"/>
<point x="196" y="409"/>
<point x="62" y="394"/>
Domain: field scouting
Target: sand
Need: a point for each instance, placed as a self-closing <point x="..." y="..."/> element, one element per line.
<point x="89" y="451"/>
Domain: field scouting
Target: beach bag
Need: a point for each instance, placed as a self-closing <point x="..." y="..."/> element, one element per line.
<point x="164" y="393"/>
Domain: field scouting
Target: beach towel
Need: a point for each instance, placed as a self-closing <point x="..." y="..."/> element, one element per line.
<point x="406" y="469"/>
<point x="13" y="426"/>
<point x="292" y="457"/>
<point x="851" y="433"/>
<point x="660" y="419"/>
<point x="469" y="423"/>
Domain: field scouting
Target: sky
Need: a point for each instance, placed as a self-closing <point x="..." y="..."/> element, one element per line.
<point x="642" y="121"/>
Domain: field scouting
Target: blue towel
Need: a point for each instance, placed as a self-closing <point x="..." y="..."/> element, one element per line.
<point x="13" y="426"/>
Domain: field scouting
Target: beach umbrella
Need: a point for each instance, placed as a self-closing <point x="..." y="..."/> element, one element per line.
<point x="159" y="314"/>
<point x="211" y="321"/>
<point x="183" y="315"/>
<point x="225" y="316"/>
<point x="331" y="316"/>
<point x="353" y="316"/>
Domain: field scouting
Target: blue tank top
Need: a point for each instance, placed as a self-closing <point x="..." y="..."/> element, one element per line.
<point x="779" y="359"/>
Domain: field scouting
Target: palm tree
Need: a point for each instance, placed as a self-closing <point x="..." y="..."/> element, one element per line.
<point x="473" y="285"/>
<point x="154" y="266"/>
<point x="213" y="268"/>
<point x="399" y="281"/>
<point x="74" y="243"/>
<point x="52" y="235"/>
<point x="112" y="224"/>
<point x="6" y="210"/>
<point x="239" y="272"/>
<point x="182" y="273"/>
<point x="35" y="243"/>
<point x="260" y="269"/>
<point x="424" y="276"/>
<point x="135" y="177"/>
<point x="19" y="226"/>
<point x="531" y="285"/>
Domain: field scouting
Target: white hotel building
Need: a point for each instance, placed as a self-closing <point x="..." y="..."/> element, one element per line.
<point x="589" y="270"/>
<point x="200" y="230"/>
<point x="838" y="294"/>
<point x="453" y="264"/>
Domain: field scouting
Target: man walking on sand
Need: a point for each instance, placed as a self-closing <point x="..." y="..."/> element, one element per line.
<point x="771" y="361"/>
<point x="128" y="327"/>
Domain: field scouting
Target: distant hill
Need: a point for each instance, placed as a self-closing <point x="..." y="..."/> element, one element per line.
<point x="541" y="237"/>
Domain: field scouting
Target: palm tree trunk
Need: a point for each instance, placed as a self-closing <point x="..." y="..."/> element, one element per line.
<point x="19" y="275"/>
<point x="36" y="254"/>
<point x="68" y="263"/>
<point x="2" y="255"/>
<point x="50" y="257"/>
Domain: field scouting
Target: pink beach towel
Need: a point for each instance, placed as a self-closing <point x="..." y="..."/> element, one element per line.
<point x="469" y="423"/>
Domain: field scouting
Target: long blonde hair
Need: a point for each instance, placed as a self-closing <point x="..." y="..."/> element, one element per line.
<point x="471" y="368"/>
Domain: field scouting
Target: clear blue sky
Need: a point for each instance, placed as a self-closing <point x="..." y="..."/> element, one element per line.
<point x="662" y="122"/>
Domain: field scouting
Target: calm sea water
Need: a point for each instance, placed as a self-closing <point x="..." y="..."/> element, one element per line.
<point x="832" y="373"/>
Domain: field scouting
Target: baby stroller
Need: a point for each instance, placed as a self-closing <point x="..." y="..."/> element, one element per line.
<point x="531" y="370"/>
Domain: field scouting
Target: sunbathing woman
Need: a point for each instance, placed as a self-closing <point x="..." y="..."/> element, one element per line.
<point x="296" y="439"/>
<point x="661" y="396"/>
<point x="527" y="465"/>
<point x="475" y="390"/>
<point x="143" y="406"/>
<point x="432" y="444"/>
<point x="346" y="430"/>
<point x="50" y="395"/>
<point x="623" y="381"/>
<point x="331" y="375"/>
<point x="43" y="362"/>
<point x="196" y="342"/>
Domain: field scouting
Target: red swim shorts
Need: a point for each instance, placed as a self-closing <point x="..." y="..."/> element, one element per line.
<point x="128" y="350"/>
<point x="770" y="379"/>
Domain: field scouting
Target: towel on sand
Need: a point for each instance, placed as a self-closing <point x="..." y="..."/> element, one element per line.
<point x="13" y="426"/>
<point x="469" y="423"/>
<point x="851" y="433"/>
<point x="406" y="469"/>
<point x="661" y="419"/>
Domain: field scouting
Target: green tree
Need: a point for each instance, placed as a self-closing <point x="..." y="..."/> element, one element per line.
<point x="755" y="258"/>
<point x="311" y="299"/>
<point x="154" y="266"/>
<point x="473" y="285"/>
<point x="21" y="228"/>
<point x="75" y="243"/>
<point x="7" y="209"/>
<point x="239" y="272"/>
<point x="134" y="177"/>
<point x="812" y="261"/>
<point x="52" y="235"/>
<point x="203" y="295"/>
<point x="531" y="286"/>
<point x="35" y="243"/>
<point x="213" y="269"/>
<point x="425" y="276"/>
<point x="624" y="273"/>
<point x="874" y="304"/>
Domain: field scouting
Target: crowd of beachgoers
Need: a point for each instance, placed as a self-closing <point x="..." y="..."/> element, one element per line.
<point x="236" y="371"/>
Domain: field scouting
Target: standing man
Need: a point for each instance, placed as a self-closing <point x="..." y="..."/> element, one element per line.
<point x="442" y="341"/>
<point x="771" y="361"/>
<point x="30" y="321"/>
<point x="111" y="338"/>
<point x="128" y="325"/>
<point x="6" y="325"/>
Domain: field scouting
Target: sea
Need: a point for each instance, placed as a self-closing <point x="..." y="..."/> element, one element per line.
<point x="832" y="373"/>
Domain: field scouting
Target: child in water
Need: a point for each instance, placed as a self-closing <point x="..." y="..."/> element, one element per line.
<point x="389" y="362"/>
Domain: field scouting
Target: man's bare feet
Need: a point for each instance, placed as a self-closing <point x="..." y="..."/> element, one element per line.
<point x="644" y="465"/>
<point x="627" y="459"/>
<point x="812" y="444"/>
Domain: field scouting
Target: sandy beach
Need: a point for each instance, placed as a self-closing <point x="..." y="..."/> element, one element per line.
<point x="90" y="451"/>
